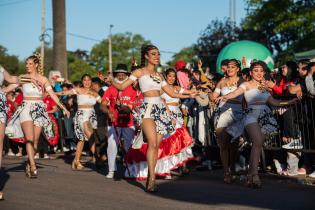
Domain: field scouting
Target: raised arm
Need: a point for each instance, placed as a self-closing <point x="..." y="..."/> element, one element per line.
<point x="73" y="91"/>
<point x="239" y="91"/>
<point x="216" y="93"/>
<point x="169" y="91"/>
<point x="54" y="97"/>
<point x="274" y="102"/>
<point x="133" y="77"/>
<point x="8" y="77"/>
<point x="10" y="88"/>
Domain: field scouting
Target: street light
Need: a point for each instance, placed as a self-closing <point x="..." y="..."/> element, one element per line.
<point x="110" y="48"/>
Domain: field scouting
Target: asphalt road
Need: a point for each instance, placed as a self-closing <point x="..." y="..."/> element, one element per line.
<point x="58" y="187"/>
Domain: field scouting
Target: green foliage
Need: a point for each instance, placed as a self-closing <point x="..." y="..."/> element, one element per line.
<point x="10" y="62"/>
<point x="217" y="35"/>
<point x="125" y="47"/>
<point x="286" y="25"/>
<point x="187" y="54"/>
<point x="77" y="66"/>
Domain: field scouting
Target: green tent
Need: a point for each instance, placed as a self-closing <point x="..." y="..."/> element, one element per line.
<point x="245" y="51"/>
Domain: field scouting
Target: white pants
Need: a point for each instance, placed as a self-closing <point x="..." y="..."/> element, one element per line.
<point x="202" y="128"/>
<point x="114" y="134"/>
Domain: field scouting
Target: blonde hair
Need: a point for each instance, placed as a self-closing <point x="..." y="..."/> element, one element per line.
<point x="36" y="57"/>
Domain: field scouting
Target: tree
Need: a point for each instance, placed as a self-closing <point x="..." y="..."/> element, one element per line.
<point x="59" y="30"/>
<point x="187" y="54"/>
<point x="125" y="47"/>
<point x="78" y="64"/>
<point x="10" y="62"/>
<point x="217" y="35"/>
<point x="285" y="26"/>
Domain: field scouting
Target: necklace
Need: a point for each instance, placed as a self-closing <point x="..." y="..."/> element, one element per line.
<point x="261" y="86"/>
<point x="155" y="78"/>
<point x="231" y="84"/>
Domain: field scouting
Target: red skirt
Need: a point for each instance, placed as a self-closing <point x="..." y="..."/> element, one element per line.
<point x="174" y="151"/>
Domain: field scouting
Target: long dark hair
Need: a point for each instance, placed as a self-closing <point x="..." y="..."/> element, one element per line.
<point x="144" y="50"/>
<point x="168" y="71"/>
<point x="292" y="70"/>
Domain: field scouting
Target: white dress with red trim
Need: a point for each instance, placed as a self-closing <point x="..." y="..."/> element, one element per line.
<point x="174" y="151"/>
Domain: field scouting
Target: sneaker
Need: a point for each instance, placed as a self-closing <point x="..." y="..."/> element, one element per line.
<point x="312" y="175"/>
<point x="294" y="144"/>
<point x="110" y="175"/>
<point x="168" y="177"/>
<point x="19" y="155"/>
<point x="46" y="156"/>
<point x="10" y="153"/>
<point x="36" y="156"/>
<point x="278" y="167"/>
<point x="65" y="149"/>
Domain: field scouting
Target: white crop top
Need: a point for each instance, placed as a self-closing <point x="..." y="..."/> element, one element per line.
<point x="30" y="90"/>
<point x="147" y="83"/>
<point x="1" y="76"/>
<point x="168" y="99"/>
<point x="87" y="99"/>
<point x="226" y="90"/>
<point x="254" y="96"/>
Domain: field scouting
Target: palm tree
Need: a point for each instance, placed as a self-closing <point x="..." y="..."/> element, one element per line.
<point x="59" y="33"/>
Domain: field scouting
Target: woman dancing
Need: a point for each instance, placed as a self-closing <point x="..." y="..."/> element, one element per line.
<point x="227" y="113"/>
<point x="4" y="76"/>
<point x="258" y="120"/>
<point x="31" y="116"/>
<point x="153" y="117"/>
<point x="85" y="118"/>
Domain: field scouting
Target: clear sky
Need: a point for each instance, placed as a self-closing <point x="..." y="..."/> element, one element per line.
<point x="169" y="24"/>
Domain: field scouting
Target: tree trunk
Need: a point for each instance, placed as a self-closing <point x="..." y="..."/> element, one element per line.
<point x="59" y="33"/>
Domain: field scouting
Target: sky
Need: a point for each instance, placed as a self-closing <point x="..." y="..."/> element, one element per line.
<point x="169" y="24"/>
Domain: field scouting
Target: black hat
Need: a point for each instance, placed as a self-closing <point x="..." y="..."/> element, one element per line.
<point x="121" y="68"/>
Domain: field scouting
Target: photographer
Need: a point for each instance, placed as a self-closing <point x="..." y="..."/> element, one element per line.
<point x="121" y="126"/>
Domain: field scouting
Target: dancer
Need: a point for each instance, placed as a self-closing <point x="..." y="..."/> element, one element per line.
<point x="31" y="117"/>
<point x="172" y="104"/>
<point x="85" y="118"/>
<point x="226" y="114"/>
<point x="4" y="76"/>
<point x="153" y="117"/>
<point x="258" y="120"/>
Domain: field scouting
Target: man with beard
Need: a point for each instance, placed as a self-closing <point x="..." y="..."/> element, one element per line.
<point x="121" y="127"/>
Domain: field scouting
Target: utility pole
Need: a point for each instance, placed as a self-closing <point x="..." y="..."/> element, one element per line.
<point x="110" y="48"/>
<point x="232" y="12"/>
<point x="42" y="37"/>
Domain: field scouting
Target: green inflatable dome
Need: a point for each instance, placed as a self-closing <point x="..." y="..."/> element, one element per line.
<point x="245" y="51"/>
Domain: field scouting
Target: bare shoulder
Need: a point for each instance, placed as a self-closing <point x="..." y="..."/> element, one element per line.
<point x="43" y="79"/>
<point x="221" y="82"/>
<point x="138" y="73"/>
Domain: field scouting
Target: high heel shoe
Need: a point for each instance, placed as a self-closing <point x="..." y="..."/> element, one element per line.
<point x="76" y="165"/>
<point x="31" y="171"/>
<point x="151" y="186"/>
<point x="253" y="181"/>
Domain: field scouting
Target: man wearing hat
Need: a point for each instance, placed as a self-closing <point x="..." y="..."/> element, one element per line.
<point x="121" y="126"/>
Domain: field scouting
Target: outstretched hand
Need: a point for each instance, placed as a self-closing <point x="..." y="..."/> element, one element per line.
<point x="66" y="113"/>
<point x="219" y="99"/>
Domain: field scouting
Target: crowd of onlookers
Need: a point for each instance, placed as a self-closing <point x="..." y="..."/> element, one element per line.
<point x="292" y="147"/>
